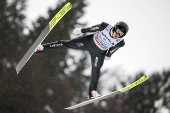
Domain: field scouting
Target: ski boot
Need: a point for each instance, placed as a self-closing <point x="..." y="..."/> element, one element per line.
<point x="94" y="94"/>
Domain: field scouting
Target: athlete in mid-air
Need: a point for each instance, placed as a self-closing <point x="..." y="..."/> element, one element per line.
<point x="100" y="45"/>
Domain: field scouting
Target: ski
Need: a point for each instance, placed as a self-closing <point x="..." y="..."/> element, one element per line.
<point x="42" y="36"/>
<point x="134" y="84"/>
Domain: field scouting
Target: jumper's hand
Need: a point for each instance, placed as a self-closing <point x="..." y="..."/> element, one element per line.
<point x="107" y="58"/>
<point x="77" y="31"/>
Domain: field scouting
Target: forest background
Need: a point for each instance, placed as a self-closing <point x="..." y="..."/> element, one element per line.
<point x="51" y="81"/>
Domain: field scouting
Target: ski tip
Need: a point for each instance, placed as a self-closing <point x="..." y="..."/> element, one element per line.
<point x="134" y="84"/>
<point x="145" y="77"/>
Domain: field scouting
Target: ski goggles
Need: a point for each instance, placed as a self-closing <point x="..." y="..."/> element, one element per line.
<point x="119" y="32"/>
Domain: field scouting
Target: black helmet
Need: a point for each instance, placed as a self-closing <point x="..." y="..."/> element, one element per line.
<point x="122" y="26"/>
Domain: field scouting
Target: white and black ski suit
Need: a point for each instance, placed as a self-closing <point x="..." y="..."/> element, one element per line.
<point x="98" y="45"/>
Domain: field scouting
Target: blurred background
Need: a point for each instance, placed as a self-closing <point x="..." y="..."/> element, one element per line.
<point x="51" y="81"/>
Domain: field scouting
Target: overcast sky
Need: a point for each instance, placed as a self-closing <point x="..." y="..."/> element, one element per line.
<point x="147" y="42"/>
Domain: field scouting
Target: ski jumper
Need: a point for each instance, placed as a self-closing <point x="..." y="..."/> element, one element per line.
<point x="99" y="45"/>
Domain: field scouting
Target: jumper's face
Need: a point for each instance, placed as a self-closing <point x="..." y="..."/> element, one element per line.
<point x="117" y="33"/>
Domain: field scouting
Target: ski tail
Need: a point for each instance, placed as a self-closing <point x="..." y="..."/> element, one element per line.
<point x="42" y="36"/>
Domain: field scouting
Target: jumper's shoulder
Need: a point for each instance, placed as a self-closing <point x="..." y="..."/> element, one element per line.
<point x="122" y="42"/>
<point x="104" y="24"/>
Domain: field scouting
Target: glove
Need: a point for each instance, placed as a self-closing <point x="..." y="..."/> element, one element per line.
<point x="107" y="58"/>
<point x="39" y="48"/>
<point x="77" y="31"/>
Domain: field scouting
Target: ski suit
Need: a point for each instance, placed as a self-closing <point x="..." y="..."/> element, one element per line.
<point x="99" y="45"/>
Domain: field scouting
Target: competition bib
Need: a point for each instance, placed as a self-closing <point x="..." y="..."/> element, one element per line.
<point x="104" y="40"/>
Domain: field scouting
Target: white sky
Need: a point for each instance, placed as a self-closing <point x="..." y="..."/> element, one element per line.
<point x="147" y="42"/>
